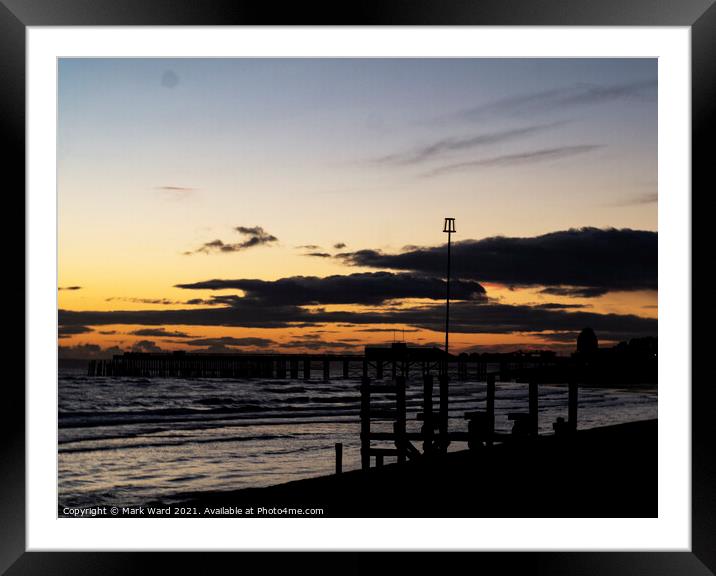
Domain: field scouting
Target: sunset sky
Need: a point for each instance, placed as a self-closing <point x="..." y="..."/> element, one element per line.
<point x="297" y="204"/>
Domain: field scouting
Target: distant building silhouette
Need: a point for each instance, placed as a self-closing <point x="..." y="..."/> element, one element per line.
<point x="587" y="342"/>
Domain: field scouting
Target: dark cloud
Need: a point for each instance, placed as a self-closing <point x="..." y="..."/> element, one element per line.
<point x="318" y="254"/>
<point x="469" y="317"/>
<point x="256" y="236"/>
<point x="359" y="288"/>
<point x="145" y="346"/>
<point x="339" y="245"/>
<point x="219" y="349"/>
<point x="398" y="330"/>
<point x="563" y="99"/>
<point x="559" y="306"/>
<point x="69" y="287"/>
<point x="163" y="301"/>
<point x="231" y="341"/>
<point x="575" y="291"/>
<point x="317" y="345"/>
<point x="599" y="259"/>
<point x="308" y="247"/>
<point x="67" y="331"/>
<point x="507" y="160"/>
<point x="86" y="352"/>
<point x="444" y="146"/>
<point x="160" y="333"/>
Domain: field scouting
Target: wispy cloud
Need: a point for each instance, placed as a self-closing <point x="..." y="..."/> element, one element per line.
<point x="163" y="301"/>
<point x="69" y="287"/>
<point x="641" y="199"/>
<point x="563" y="98"/>
<point x="504" y="160"/>
<point x="175" y="188"/>
<point x="445" y="146"/>
<point x="170" y="192"/>
<point x="160" y="333"/>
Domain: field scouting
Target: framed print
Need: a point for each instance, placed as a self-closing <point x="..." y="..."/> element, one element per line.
<point x="390" y="286"/>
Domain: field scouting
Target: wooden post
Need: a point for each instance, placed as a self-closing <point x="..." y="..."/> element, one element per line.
<point x="378" y="460"/>
<point x="365" y="423"/>
<point x="345" y="369"/>
<point x="326" y="370"/>
<point x="379" y="369"/>
<point x="490" y="408"/>
<point x="294" y="369"/>
<point x="339" y="457"/>
<point x="443" y="424"/>
<point x="400" y="409"/>
<point x="427" y="413"/>
<point x="306" y="368"/>
<point x="572" y="407"/>
<point x="534" y="409"/>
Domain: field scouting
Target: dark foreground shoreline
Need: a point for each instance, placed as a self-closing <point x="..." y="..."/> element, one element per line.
<point x="601" y="472"/>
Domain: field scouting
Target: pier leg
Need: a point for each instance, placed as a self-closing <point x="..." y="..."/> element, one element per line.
<point x="365" y="424"/>
<point x="443" y="424"/>
<point x="339" y="457"/>
<point x="572" y="407"/>
<point x="379" y="369"/>
<point x="400" y="409"/>
<point x="306" y="369"/>
<point x="427" y="414"/>
<point x="326" y="370"/>
<point x="294" y="369"/>
<point x="534" y="409"/>
<point x="345" y="369"/>
<point x="490" y="406"/>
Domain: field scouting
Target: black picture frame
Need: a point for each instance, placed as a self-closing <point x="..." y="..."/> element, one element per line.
<point x="699" y="15"/>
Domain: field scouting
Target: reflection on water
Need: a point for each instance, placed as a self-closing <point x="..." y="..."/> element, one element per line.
<point x="131" y="440"/>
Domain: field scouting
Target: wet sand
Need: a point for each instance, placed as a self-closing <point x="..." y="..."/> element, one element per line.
<point x="601" y="472"/>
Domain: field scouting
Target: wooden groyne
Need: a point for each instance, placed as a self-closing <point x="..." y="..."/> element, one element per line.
<point x="434" y="436"/>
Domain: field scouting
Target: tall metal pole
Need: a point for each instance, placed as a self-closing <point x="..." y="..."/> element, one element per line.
<point x="447" y="300"/>
<point x="444" y="414"/>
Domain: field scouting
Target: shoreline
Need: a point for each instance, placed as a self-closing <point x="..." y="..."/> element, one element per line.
<point x="599" y="472"/>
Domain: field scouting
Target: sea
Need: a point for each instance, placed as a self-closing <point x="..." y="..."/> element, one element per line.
<point x="128" y="441"/>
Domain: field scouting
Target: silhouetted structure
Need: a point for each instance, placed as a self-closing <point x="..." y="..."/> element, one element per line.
<point x="587" y="342"/>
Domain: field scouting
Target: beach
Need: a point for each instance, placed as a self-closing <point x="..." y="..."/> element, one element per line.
<point x="132" y="441"/>
<point x="602" y="472"/>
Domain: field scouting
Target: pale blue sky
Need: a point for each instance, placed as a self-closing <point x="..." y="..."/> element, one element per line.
<point x="369" y="152"/>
